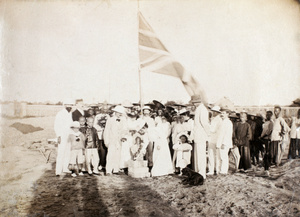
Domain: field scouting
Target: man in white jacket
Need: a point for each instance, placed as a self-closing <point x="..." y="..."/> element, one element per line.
<point x="215" y="130"/>
<point x="224" y="142"/>
<point x="200" y="134"/>
<point x="114" y="134"/>
<point x="62" y="127"/>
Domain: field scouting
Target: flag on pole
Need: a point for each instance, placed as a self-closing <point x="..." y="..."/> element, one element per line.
<point x="154" y="57"/>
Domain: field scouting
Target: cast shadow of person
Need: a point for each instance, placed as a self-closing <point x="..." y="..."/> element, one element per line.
<point x="138" y="199"/>
<point x="67" y="196"/>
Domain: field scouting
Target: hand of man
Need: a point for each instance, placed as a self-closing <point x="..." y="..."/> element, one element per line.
<point x="59" y="140"/>
<point x="223" y="146"/>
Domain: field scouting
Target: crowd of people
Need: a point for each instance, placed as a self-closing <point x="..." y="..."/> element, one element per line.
<point x="104" y="140"/>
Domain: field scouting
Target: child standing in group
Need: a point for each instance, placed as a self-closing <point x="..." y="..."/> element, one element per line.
<point x="183" y="152"/>
<point x="77" y="139"/>
<point x="91" y="148"/>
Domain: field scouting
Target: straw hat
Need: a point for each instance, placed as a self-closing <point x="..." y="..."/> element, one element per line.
<point x="119" y="109"/>
<point x="147" y="108"/>
<point x="216" y="109"/>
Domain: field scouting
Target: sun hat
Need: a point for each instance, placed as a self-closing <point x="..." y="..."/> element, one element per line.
<point x="147" y="108"/>
<point x="216" y="108"/>
<point x="119" y="109"/>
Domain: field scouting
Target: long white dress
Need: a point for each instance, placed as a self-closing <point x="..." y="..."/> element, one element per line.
<point x="63" y="121"/>
<point x="162" y="162"/>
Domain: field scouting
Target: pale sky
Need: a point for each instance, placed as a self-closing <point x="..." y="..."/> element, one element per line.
<point x="248" y="51"/>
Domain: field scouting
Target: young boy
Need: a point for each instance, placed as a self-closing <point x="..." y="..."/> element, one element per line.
<point x="91" y="148"/>
<point x="183" y="152"/>
<point x="77" y="139"/>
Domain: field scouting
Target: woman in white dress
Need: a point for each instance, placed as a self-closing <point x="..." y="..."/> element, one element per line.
<point x="162" y="162"/>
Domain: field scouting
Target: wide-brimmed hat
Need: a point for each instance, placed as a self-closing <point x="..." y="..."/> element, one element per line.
<point x="75" y="124"/>
<point x="216" y="108"/>
<point x="119" y="109"/>
<point x="158" y="105"/>
<point x="195" y="99"/>
<point x="146" y="107"/>
<point x="127" y="104"/>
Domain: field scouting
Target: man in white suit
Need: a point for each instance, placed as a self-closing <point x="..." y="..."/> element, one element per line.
<point x="224" y="142"/>
<point x="114" y="133"/>
<point x="62" y="124"/>
<point x="216" y="123"/>
<point x="200" y="134"/>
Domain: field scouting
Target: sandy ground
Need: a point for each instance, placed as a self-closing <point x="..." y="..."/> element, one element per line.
<point x="29" y="186"/>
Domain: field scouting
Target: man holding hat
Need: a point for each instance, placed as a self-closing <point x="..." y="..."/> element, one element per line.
<point x="114" y="133"/>
<point x="200" y="133"/>
<point x="62" y="124"/>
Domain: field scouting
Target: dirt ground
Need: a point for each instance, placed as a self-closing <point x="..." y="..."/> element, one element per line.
<point x="29" y="186"/>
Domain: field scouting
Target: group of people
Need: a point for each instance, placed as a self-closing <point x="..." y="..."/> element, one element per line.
<point x="169" y="138"/>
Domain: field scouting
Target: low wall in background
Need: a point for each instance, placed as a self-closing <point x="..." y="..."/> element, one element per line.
<point x="23" y="110"/>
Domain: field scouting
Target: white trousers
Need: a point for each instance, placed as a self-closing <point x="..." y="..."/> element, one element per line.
<point x="63" y="156"/>
<point x="92" y="158"/>
<point x="113" y="158"/>
<point x="222" y="160"/>
<point x="200" y="158"/>
<point x="212" y="154"/>
<point x="236" y="155"/>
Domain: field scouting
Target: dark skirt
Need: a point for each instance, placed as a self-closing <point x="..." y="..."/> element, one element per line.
<point x="245" y="162"/>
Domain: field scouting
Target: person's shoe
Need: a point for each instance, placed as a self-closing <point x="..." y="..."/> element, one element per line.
<point x="73" y="175"/>
<point x="209" y="174"/>
<point x="81" y="174"/>
<point x="108" y="174"/>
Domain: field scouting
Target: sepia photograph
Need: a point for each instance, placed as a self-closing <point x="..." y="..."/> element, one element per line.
<point x="149" y="108"/>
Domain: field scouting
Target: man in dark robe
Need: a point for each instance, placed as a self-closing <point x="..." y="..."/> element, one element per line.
<point x="242" y="136"/>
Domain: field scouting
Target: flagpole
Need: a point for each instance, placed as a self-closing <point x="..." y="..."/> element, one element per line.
<point x="138" y="52"/>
